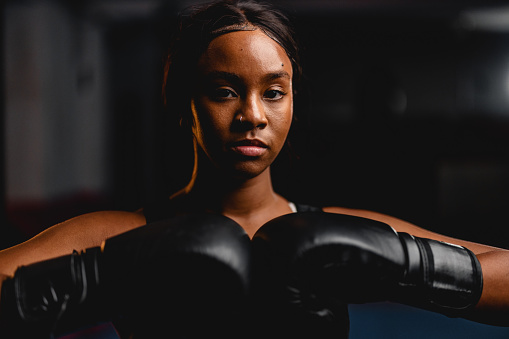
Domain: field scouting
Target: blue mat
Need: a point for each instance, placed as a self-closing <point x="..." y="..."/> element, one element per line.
<point x="394" y="321"/>
<point x="377" y="321"/>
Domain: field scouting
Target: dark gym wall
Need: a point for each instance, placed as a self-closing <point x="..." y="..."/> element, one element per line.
<point x="403" y="110"/>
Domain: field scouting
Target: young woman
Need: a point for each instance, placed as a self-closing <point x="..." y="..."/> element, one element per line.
<point x="230" y="79"/>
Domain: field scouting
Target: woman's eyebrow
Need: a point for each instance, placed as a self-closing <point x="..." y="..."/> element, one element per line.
<point x="233" y="77"/>
<point x="277" y="75"/>
<point x="213" y="75"/>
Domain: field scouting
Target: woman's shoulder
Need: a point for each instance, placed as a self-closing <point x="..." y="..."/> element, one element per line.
<point x="79" y="233"/>
<point x="92" y="228"/>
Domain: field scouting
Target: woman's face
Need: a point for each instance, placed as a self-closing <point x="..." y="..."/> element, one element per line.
<point x="243" y="104"/>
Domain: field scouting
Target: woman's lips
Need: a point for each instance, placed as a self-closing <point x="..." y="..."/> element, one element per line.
<point x="249" y="148"/>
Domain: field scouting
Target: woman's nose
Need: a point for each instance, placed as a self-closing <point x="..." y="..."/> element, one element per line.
<point x="253" y="113"/>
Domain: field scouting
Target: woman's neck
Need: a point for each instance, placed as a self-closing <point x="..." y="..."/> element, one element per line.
<point x="251" y="202"/>
<point x="224" y="194"/>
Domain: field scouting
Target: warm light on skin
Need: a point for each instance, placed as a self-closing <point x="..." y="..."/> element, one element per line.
<point x="243" y="73"/>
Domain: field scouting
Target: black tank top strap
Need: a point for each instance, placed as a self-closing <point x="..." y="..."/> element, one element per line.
<point x="307" y="208"/>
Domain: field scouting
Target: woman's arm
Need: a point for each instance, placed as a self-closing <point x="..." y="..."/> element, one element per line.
<point x="493" y="307"/>
<point x="82" y="232"/>
<point x="85" y="231"/>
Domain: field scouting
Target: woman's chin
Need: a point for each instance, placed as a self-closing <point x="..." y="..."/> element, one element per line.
<point x="246" y="171"/>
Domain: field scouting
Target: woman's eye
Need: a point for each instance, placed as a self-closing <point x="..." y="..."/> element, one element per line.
<point x="274" y="94"/>
<point x="223" y="93"/>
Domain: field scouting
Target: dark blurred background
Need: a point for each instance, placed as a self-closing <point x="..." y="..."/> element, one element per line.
<point x="404" y="110"/>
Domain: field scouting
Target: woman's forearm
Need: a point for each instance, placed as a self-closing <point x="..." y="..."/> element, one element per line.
<point x="493" y="307"/>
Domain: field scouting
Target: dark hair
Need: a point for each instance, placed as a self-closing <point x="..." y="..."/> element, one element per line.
<point x="198" y="26"/>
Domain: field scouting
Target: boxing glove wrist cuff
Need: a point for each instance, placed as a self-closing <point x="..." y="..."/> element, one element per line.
<point x="39" y="294"/>
<point x="11" y="324"/>
<point x="448" y="276"/>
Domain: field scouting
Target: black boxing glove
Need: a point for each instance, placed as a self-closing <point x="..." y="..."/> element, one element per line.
<point x="318" y="259"/>
<point x="177" y="270"/>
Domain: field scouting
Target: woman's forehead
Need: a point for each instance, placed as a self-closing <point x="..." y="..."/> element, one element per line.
<point x="246" y="50"/>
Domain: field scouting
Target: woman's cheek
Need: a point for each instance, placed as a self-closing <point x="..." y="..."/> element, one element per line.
<point x="285" y="117"/>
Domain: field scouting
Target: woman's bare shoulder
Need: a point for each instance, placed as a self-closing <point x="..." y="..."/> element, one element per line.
<point x="79" y="233"/>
